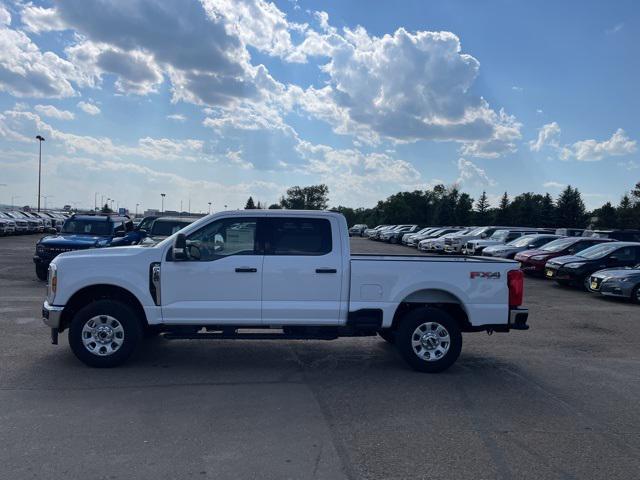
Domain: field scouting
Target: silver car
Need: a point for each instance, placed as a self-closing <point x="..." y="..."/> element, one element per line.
<point x="617" y="282"/>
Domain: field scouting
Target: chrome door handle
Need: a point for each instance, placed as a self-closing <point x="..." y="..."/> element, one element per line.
<point x="246" y="270"/>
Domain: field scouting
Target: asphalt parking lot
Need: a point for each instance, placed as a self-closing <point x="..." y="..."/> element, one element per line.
<point x="561" y="400"/>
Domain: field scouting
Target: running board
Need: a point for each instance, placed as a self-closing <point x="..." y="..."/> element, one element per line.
<point x="245" y="336"/>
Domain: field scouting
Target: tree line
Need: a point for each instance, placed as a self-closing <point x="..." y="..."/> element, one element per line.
<point x="444" y="205"/>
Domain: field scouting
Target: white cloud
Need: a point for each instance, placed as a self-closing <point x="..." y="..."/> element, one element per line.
<point x="53" y="112"/>
<point x="178" y="117"/>
<point x="471" y="174"/>
<point x="25" y="71"/>
<point x="592" y="150"/>
<point x="5" y="16"/>
<point x="629" y="165"/>
<point x="89" y="108"/>
<point x="235" y="158"/>
<point x="516" y="88"/>
<point x="552" y="184"/>
<point x="405" y="87"/>
<point x="40" y="19"/>
<point x="547" y="135"/>
<point x="615" y="29"/>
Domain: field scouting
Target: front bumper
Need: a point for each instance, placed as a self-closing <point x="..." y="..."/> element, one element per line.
<point x="51" y="315"/>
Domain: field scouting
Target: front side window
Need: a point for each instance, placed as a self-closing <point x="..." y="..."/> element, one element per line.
<point x="298" y="236"/>
<point x="625" y="254"/>
<point x="223" y="238"/>
<point x="87" y="227"/>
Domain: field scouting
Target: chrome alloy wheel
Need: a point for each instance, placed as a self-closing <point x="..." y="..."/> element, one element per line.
<point x="430" y="341"/>
<point x="102" y="335"/>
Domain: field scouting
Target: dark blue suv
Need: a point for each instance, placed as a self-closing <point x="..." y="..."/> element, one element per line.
<point x="80" y="232"/>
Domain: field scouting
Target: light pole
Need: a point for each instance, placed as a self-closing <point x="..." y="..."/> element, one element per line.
<point x="40" y="139"/>
<point x="137" y="204"/>
<point x="13" y="197"/>
<point x="95" y="201"/>
<point x="209" y="207"/>
<point x="162" y="195"/>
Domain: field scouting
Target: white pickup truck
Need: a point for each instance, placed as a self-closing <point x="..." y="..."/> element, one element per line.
<point x="276" y="275"/>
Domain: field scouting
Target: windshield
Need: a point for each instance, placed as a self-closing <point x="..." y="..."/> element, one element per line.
<point x="522" y="241"/>
<point x="164" y="228"/>
<point x="598" y="251"/>
<point x="499" y="235"/>
<point x="146" y="223"/>
<point x="477" y="231"/>
<point x="559" y="245"/>
<point x="87" y="227"/>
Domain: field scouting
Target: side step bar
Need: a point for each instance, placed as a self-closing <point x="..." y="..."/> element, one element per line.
<point x="245" y="336"/>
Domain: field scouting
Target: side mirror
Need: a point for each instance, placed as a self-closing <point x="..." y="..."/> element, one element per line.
<point x="179" y="249"/>
<point x="531" y="246"/>
<point x="613" y="258"/>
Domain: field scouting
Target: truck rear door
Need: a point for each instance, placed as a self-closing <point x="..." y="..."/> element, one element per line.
<point x="302" y="271"/>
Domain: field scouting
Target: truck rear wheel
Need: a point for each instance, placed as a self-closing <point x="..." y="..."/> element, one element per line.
<point x="104" y="333"/>
<point x="429" y="339"/>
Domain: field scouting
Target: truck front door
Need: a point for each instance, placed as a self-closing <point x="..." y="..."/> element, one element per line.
<point x="221" y="282"/>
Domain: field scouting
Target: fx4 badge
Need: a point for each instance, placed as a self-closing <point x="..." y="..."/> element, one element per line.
<point x="487" y="275"/>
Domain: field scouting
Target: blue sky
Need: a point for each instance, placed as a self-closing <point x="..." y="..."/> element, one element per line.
<point x="216" y="100"/>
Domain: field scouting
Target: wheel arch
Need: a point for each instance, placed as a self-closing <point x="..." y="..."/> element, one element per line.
<point x="89" y="294"/>
<point x="436" y="298"/>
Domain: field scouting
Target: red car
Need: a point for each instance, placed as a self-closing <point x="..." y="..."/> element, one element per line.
<point x="533" y="261"/>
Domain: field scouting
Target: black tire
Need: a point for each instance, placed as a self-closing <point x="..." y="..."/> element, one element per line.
<point x="635" y="294"/>
<point x="42" y="272"/>
<point x="388" y="335"/>
<point x="122" y="313"/>
<point x="405" y="334"/>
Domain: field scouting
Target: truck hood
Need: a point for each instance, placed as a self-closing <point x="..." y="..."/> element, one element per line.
<point x="75" y="241"/>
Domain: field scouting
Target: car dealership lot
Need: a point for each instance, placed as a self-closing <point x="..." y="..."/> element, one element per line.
<point x="557" y="401"/>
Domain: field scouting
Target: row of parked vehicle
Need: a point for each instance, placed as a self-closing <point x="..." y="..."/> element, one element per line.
<point x="601" y="261"/>
<point x="84" y="231"/>
<point x="18" y="222"/>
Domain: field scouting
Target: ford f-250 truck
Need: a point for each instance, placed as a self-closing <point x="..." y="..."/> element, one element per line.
<point x="276" y="274"/>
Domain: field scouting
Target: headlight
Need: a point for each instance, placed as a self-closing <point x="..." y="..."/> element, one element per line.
<point x="574" y="265"/>
<point x="39" y="249"/>
<point x="538" y="257"/>
<point x="52" y="282"/>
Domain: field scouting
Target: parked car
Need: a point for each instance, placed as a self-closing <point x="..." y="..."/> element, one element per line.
<point x="46" y="219"/>
<point x="407" y="236"/>
<point x="358" y="230"/>
<point x="617" y="282"/>
<point x="395" y="235"/>
<point x="534" y="261"/>
<point x="414" y="239"/>
<point x="422" y="244"/>
<point x="375" y="235"/>
<point x="7" y="226"/>
<point x="164" y="227"/>
<point x="370" y="231"/>
<point x="21" y="224"/>
<point x="436" y="244"/>
<point x="81" y="232"/>
<point x="526" y="242"/>
<point x="454" y="245"/>
<point x="576" y="269"/>
<point x="290" y="274"/>
<point x="33" y="225"/>
<point x="569" y="232"/>
<point x="620" y="235"/>
<point x="499" y="237"/>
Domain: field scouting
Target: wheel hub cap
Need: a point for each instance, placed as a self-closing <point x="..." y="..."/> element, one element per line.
<point x="102" y="335"/>
<point x="430" y="341"/>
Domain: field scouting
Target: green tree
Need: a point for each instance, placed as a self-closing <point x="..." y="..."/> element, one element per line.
<point x="250" y="205"/>
<point x="275" y="206"/>
<point x="548" y="212"/>
<point x="570" y="208"/>
<point x="482" y="209"/>
<point x="625" y="213"/>
<point x="106" y="209"/>
<point x="606" y="216"/>
<point x="313" y="197"/>
<point x="502" y="216"/>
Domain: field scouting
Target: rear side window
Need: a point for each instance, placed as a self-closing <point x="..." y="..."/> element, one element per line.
<point x="298" y="236"/>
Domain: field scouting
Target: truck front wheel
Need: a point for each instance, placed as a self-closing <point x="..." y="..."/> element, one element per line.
<point x="429" y="339"/>
<point x="104" y="333"/>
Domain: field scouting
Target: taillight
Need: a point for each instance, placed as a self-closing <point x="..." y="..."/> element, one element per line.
<point x="515" y="281"/>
